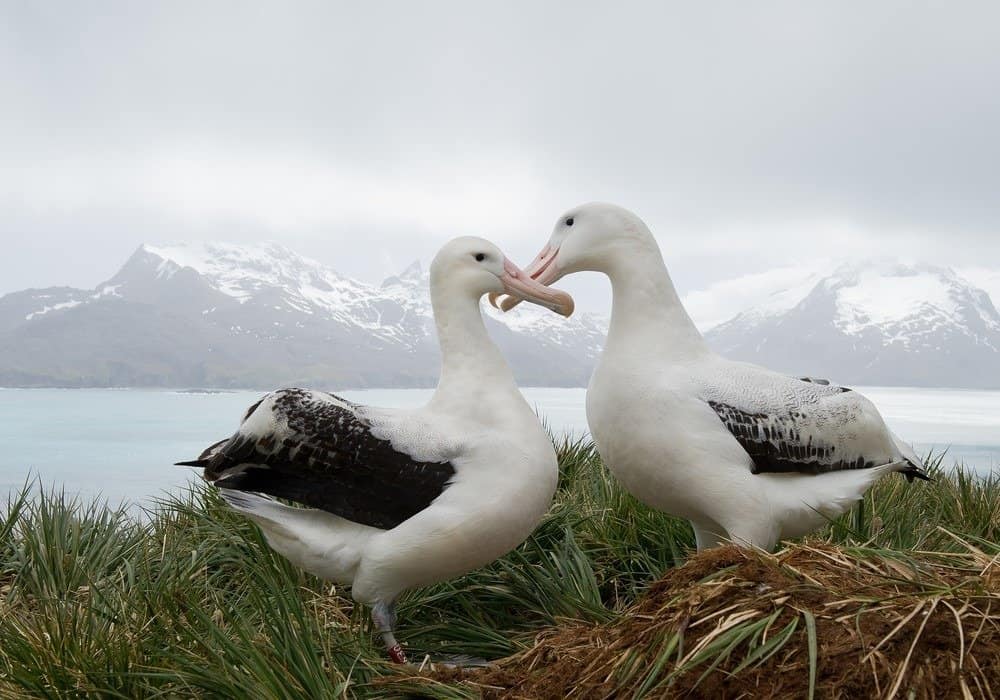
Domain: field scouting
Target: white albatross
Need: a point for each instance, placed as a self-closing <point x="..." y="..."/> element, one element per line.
<point x="398" y="499"/>
<point x="744" y="453"/>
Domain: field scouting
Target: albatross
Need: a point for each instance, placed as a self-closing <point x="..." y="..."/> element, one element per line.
<point x="397" y="499"/>
<point x="746" y="454"/>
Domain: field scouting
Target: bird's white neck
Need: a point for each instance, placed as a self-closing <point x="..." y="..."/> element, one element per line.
<point x="474" y="375"/>
<point x="647" y="317"/>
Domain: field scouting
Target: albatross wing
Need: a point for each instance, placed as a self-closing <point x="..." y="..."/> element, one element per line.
<point x="319" y="450"/>
<point x="805" y="425"/>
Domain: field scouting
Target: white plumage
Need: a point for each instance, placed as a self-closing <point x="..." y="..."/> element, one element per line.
<point x="402" y="498"/>
<point x="742" y="452"/>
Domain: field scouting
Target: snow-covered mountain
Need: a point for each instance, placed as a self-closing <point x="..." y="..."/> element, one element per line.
<point x="215" y="314"/>
<point x="873" y="323"/>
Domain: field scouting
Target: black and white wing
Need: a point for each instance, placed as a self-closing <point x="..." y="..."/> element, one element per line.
<point x="321" y="451"/>
<point x="805" y="425"/>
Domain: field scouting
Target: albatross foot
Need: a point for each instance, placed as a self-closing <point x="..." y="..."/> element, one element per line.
<point x="397" y="654"/>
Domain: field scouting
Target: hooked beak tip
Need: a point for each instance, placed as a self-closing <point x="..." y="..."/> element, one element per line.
<point x="568" y="307"/>
<point x="509" y="303"/>
<point x="532" y="283"/>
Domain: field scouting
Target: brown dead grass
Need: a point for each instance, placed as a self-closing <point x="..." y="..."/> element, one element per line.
<point x="810" y="620"/>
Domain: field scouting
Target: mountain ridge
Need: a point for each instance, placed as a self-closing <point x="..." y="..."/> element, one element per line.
<point x="874" y="323"/>
<point x="238" y="316"/>
<point x="223" y="315"/>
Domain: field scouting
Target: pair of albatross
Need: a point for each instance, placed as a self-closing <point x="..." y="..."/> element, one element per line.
<point x="398" y="499"/>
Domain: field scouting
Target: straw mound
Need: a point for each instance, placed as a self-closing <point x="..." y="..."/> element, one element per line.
<point x="810" y="620"/>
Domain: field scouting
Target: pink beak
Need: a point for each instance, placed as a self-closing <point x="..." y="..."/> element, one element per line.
<point x="520" y="285"/>
<point x="541" y="271"/>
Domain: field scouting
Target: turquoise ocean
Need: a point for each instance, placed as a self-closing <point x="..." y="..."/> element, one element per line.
<point x="120" y="444"/>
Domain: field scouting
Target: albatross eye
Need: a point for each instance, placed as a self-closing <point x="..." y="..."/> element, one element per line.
<point x="480" y="257"/>
<point x="569" y="221"/>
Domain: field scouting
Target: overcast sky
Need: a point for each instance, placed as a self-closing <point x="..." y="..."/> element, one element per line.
<point x="750" y="136"/>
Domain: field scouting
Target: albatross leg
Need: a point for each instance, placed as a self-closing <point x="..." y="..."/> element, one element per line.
<point x="384" y="616"/>
<point x="708" y="536"/>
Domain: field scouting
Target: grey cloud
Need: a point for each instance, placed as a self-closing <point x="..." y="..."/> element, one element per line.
<point x="747" y="135"/>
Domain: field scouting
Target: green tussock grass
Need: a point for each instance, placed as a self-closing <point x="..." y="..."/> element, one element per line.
<point x="187" y="599"/>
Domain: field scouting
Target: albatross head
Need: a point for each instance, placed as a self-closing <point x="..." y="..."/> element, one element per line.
<point x="475" y="266"/>
<point x="591" y="237"/>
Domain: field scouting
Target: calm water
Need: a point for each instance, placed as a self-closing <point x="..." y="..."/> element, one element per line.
<point x="121" y="444"/>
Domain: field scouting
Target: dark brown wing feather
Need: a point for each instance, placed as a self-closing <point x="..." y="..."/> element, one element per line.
<point x="319" y="452"/>
<point x="775" y="443"/>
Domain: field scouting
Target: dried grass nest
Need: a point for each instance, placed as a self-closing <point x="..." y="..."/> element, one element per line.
<point x="813" y="620"/>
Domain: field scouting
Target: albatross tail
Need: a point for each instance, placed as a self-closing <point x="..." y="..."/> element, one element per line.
<point x="914" y="465"/>
<point x="314" y="540"/>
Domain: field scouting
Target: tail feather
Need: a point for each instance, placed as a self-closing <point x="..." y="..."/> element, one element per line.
<point x="200" y="463"/>
<point x="243" y="501"/>
<point x="205" y="458"/>
<point x="915" y="472"/>
<point x="319" y="542"/>
<point x="914" y="465"/>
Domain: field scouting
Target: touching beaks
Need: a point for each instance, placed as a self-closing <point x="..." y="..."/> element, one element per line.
<point x="519" y="284"/>
<point x="542" y="271"/>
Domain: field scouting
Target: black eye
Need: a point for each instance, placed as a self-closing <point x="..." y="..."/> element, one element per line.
<point x="569" y="221"/>
<point x="480" y="257"/>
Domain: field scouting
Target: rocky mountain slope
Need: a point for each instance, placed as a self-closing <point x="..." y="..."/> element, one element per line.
<point x="874" y="323"/>
<point x="220" y="315"/>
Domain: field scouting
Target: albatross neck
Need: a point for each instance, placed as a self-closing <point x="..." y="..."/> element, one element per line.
<point x="474" y="375"/>
<point x="647" y="316"/>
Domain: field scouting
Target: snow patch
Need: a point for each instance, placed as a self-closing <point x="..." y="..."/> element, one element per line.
<point x="879" y="299"/>
<point x="758" y="294"/>
<point x="55" y="307"/>
<point x="919" y="307"/>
